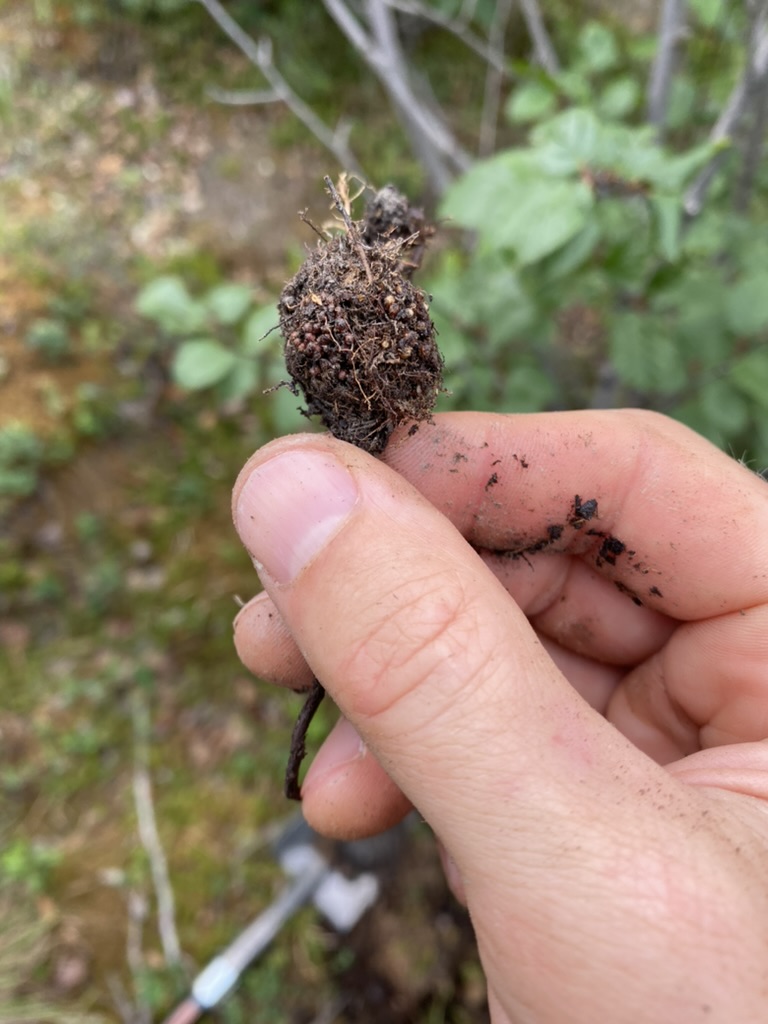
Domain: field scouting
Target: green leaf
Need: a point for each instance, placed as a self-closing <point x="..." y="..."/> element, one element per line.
<point x="200" y="363"/>
<point x="530" y="102"/>
<point x="668" y="212"/>
<point x="167" y="301"/>
<point x="746" y="305"/>
<point x="528" y="389"/>
<point x="750" y="375"/>
<point x="257" y="327"/>
<point x="241" y="381"/>
<point x="229" y="302"/>
<point x="645" y="358"/>
<point x="724" y="407"/>
<point x="598" y="47"/>
<point x="512" y="206"/>
<point x="619" y="98"/>
<point x="568" y="142"/>
<point x="574" y="253"/>
<point x="708" y="12"/>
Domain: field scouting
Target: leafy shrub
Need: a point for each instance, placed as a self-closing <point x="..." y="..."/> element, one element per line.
<point x="587" y="284"/>
<point x="221" y="344"/>
<point x="50" y="338"/>
<point x="21" y="453"/>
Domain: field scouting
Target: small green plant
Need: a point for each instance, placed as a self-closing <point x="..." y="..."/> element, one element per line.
<point x="219" y="334"/>
<point x="50" y="338"/>
<point x="221" y="344"/>
<point x="28" y="864"/>
<point x="21" y="454"/>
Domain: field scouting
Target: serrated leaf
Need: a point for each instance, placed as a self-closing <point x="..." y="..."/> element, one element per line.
<point x="746" y="305"/>
<point x="514" y="207"/>
<point x="201" y="363"/>
<point x="167" y="301"/>
<point x="530" y="102"/>
<point x="568" y="142"/>
<point x="619" y="98"/>
<point x="598" y="47"/>
<point x="258" y="325"/>
<point x="227" y="303"/>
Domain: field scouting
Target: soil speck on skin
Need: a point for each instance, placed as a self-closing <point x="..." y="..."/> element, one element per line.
<point x="413" y="431"/>
<point x="610" y="549"/>
<point x="493" y="479"/>
<point x="624" y="589"/>
<point x="521" y="459"/>
<point x="459" y="457"/>
<point x="583" y="511"/>
<point x="655" y="592"/>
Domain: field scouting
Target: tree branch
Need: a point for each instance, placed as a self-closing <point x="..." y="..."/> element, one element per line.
<point x="379" y="46"/>
<point x="260" y="54"/>
<point x="458" y="28"/>
<point x="150" y="838"/>
<point x="671" y="33"/>
<point x="494" y="79"/>
<point x="543" y="49"/>
<point x="738" y="102"/>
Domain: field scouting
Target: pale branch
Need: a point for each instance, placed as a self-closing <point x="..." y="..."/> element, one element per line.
<point x="150" y="838"/>
<point x="259" y="53"/>
<point x="670" y="36"/>
<point x="494" y="79"/>
<point x="378" y="45"/>
<point x="543" y="48"/>
<point x="754" y="144"/>
<point x="243" y="97"/>
<point x="455" y="27"/>
<point x="737" y="105"/>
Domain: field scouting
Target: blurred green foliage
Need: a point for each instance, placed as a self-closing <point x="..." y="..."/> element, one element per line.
<point x="220" y="344"/>
<point x="586" y="283"/>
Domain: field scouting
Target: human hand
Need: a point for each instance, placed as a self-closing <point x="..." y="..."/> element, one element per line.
<point x="558" y="653"/>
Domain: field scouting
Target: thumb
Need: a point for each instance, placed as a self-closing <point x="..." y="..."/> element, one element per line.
<point x="418" y="643"/>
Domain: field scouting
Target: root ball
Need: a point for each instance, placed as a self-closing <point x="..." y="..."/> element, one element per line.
<point x="359" y="341"/>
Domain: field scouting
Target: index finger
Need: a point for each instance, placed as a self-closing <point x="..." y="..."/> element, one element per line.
<point x="671" y="520"/>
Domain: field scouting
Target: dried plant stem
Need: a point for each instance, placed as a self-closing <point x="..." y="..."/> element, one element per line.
<point x="351" y="229"/>
<point x="299" y="737"/>
<point x="150" y="837"/>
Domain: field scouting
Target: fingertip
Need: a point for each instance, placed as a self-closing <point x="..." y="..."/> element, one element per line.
<point x="346" y="794"/>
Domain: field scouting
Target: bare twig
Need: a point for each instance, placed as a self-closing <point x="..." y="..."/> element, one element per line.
<point x="243" y="97"/>
<point x="457" y="27"/>
<point x="754" y="145"/>
<point x="150" y="838"/>
<point x="354" y="235"/>
<point x="378" y="44"/>
<point x="671" y="33"/>
<point x="723" y="131"/>
<point x="494" y="79"/>
<point x="543" y="49"/>
<point x="260" y="54"/>
<point x="757" y="88"/>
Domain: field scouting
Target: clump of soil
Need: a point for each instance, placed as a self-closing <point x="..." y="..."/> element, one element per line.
<point x="359" y="341"/>
<point x="389" y="215"/>
<point x="360" y="345"/>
